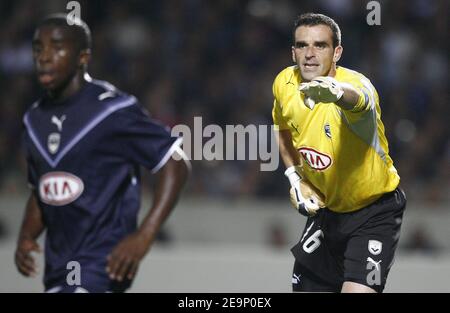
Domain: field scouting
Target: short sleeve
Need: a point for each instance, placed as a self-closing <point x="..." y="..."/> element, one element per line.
<point x="144" y="140"/>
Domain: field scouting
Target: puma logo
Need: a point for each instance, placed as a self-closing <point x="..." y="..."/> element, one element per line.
<point x="295" y="127"/>
<point x="58" y="121"/>
<point x="296" y="278"/>
<point x="377" y="264"/>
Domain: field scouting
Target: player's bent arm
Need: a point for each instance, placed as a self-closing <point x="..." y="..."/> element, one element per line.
<point x="124" y="260"/>
<point x="170" y="181"/>
<point x="303" y="196"/>
<point x="288" y="153"/>
<point x="32" y="227"/>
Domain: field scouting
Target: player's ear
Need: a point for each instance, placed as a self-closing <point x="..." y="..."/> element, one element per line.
<point x="85" y="57"/>
<point x="293" y="55"/>
<point x="337" y="53"/>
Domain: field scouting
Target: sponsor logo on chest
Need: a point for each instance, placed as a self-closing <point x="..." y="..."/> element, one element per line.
<point x="60" y="188"/>
<point x="315" y="159"/>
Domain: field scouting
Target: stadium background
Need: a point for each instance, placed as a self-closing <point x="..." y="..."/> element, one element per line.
<point x="217" y="59"/>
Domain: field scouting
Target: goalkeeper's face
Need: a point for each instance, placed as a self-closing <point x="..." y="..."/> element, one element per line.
<point x="56" y="57"/>
<point x="314" y="53"/>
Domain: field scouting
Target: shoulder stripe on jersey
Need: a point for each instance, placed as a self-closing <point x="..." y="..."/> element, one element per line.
<point x="367" y="129"/>
<point x="376" y="139"/>
<point x="168" y="154"/>
<point x="113" y="107"/>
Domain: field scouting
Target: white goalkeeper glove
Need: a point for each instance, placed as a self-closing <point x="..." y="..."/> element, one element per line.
<point x="304" y="198"/>
<point x="321" y="89"/>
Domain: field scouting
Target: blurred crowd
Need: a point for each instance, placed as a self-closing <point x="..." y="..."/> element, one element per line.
<point x="218" y="59"/>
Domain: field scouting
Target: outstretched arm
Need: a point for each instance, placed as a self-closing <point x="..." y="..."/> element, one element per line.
<point x="327" y="89"/>
<point x="32" y="227"/>
<point x="126" y="256"/>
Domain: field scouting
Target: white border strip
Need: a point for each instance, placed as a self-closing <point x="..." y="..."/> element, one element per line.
<point x="168" y="154"/>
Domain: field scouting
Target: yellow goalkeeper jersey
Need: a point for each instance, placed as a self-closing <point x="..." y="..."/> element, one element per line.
<point x="344" y="153"/>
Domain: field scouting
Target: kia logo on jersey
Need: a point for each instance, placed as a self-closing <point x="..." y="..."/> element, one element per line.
<point x="315" y="159"/>
<point x="60" y="188"/>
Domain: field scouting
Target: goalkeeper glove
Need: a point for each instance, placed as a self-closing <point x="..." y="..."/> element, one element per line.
<point x="321" y="89"/>
<point x="305" y="199"/>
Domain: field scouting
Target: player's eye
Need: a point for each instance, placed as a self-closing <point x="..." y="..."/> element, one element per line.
<point x="36" y="49"/>
<point x="58" y="46"/>
<point x="300" y="45"/>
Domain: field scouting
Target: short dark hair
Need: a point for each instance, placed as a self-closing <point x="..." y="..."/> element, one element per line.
<point x="312" y="19"/>
<point x="80" y="30"/>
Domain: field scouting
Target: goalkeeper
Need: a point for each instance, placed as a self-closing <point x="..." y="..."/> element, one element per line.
<point x="342" y="178"/>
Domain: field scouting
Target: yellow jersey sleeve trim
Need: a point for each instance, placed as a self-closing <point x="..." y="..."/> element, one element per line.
<point x="367" y="94"/>
<point x="363" y="101"/>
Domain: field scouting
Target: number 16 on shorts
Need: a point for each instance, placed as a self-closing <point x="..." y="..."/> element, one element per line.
<point x="313" y="242"/>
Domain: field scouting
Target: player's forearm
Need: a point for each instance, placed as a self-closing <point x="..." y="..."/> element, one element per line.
<point x="32" y="224"/>
<point x="350" y="97"/>
<point x="288" y="153"/>
<point x="170" y="182"/>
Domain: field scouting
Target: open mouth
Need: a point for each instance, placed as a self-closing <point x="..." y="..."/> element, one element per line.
<point x="45" y="77"/>
<point x="310" y="66"/>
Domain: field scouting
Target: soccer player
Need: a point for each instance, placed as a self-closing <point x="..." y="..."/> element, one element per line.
<point x="85" y="142"/>
<point x="342" y="178"/>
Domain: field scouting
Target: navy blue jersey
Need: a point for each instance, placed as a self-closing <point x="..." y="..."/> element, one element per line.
<point x="84" y="156"/>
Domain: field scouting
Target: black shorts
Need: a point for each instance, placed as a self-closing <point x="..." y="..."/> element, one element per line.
<point x="355" y="247"/>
